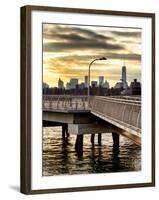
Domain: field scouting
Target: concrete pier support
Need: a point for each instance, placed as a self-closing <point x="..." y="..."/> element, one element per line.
<point x="92" y="138"/>
<point x="99" y="139"/>
<point x="79" y="145"/>
<point x="115" y="140"/>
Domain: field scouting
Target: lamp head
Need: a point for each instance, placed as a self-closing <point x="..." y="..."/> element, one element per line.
<point x="102" y="58"/>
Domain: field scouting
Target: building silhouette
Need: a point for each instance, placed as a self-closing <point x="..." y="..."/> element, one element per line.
<point x="60" y="84"/>
<point x="94" y="84"/>
<point x="124" y="78"/>
<point x="45" y="85"/>
<point x="73" y="83"/>
<point x="99" y="88"/>
<point x="119" y="85"/>
<point x="135" y="87"/>
<point x="106" y="84"/>
<point x="101" y="80"/>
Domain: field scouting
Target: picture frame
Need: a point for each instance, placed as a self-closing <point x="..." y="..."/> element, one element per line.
<point x="33" y="17"/>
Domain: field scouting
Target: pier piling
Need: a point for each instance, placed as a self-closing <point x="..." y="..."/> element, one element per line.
<point x="92" y="138"/>
<point x="63" y="131"/>
<point x="115" y="137"/>
<point x="67" y="133"/>
<point x="99" y="139"/>
<point x="79" y="144"/>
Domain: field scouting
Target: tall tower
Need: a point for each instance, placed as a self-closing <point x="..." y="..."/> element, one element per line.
<point x="125" y="85"/>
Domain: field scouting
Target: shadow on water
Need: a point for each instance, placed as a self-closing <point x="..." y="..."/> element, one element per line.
<point x="116" y="159"/>
<point x="79" y="153"/>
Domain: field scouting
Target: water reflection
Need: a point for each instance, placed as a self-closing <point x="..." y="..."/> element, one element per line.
<point x="60" y="157"/>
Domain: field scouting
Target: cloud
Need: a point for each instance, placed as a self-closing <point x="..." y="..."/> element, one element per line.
<point x="68" y="50"/>
<point x="126" y="56"/>
<point x="66" y="38"/>
<point x="86" y="59"/>
<point x="61" y="31"/>
<point x="82" y="45"/>
<point x="133" y="34"/>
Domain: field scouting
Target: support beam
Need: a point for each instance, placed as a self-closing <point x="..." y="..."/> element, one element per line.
<point x="115" y="139"/>
<point x="99" y="139"/>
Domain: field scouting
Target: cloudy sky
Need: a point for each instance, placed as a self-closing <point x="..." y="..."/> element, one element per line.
<point x="68" y="50"/>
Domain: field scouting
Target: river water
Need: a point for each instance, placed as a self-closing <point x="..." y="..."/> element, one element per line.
<point x="60" y="157"/>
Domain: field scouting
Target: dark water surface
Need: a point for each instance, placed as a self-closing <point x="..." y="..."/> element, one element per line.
<point x="60" y="157"/>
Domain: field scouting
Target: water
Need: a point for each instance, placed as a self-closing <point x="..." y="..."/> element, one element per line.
<point x="60" y="157"/>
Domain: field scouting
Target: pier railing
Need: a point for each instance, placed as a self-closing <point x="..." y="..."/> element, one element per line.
<point x="124" y="112"/>
<point x="65" y="103"/>
<point x="121" y="111"/>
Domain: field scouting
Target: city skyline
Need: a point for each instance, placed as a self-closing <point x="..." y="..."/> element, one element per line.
<point x="84" y="84"/>
<point x="68" y="50"/>
<point x="100" y="82"/>
<point x="64" y="85"/>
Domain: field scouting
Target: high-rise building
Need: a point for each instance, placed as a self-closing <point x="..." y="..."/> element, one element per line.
<point x="123" y="79"/>
<point x="135" y="87"/>
<point x="68" y="86"/>
<point x="60" y="84"/>
<point x="101" y="81"/>
<point x="82" y="85"/>
<point x="45" y="85"/>
<point x="94" y="83"/>
<point x="73" y="83"/>
<point x="45" y="88"/>
<point x="106" y="84"/>
<point x="86" y="81"/>
<point x="119" y="85"/>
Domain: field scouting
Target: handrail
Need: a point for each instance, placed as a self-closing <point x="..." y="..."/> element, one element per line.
<point x="120" y="111"/>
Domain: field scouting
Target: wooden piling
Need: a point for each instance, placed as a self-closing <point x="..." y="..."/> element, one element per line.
<point x="115" y="137"/>
<point x="99" y="139"/>
<point x="92" y="138"/>
<point x="67" y="133"/>
<point x="63" y="131"/>
<point x="79" y="142"/>
<point x="79" y="145"/>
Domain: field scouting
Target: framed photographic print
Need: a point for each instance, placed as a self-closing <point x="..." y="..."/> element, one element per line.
<point x="87" y="99"/>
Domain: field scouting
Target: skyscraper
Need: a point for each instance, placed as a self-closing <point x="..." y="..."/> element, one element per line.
<point x="106" y="84"/>
<point x="101" y="80"/>
<point x="94" y="83"/>
<point x="123" y="79"/>
<point x="60" y="84"/>
<point x="73" y="83"/>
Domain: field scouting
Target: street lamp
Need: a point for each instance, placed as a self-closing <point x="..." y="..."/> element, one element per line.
<point x="102" y="58"/>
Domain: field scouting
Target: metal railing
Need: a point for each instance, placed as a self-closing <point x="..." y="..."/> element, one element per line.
<point x="65" y="103"/>
<point x="122" y="112"/>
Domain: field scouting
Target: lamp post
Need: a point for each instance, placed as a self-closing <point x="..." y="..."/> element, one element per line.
<point x="102" y="58"/>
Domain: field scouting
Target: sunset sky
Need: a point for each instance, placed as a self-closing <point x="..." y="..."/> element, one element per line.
<point x="68" y="50"/>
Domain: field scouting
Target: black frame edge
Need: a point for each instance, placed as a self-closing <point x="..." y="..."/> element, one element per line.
<point x="25" y="107"/>
<point x="153" y="100"/>
<point x="90" y="11"/>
